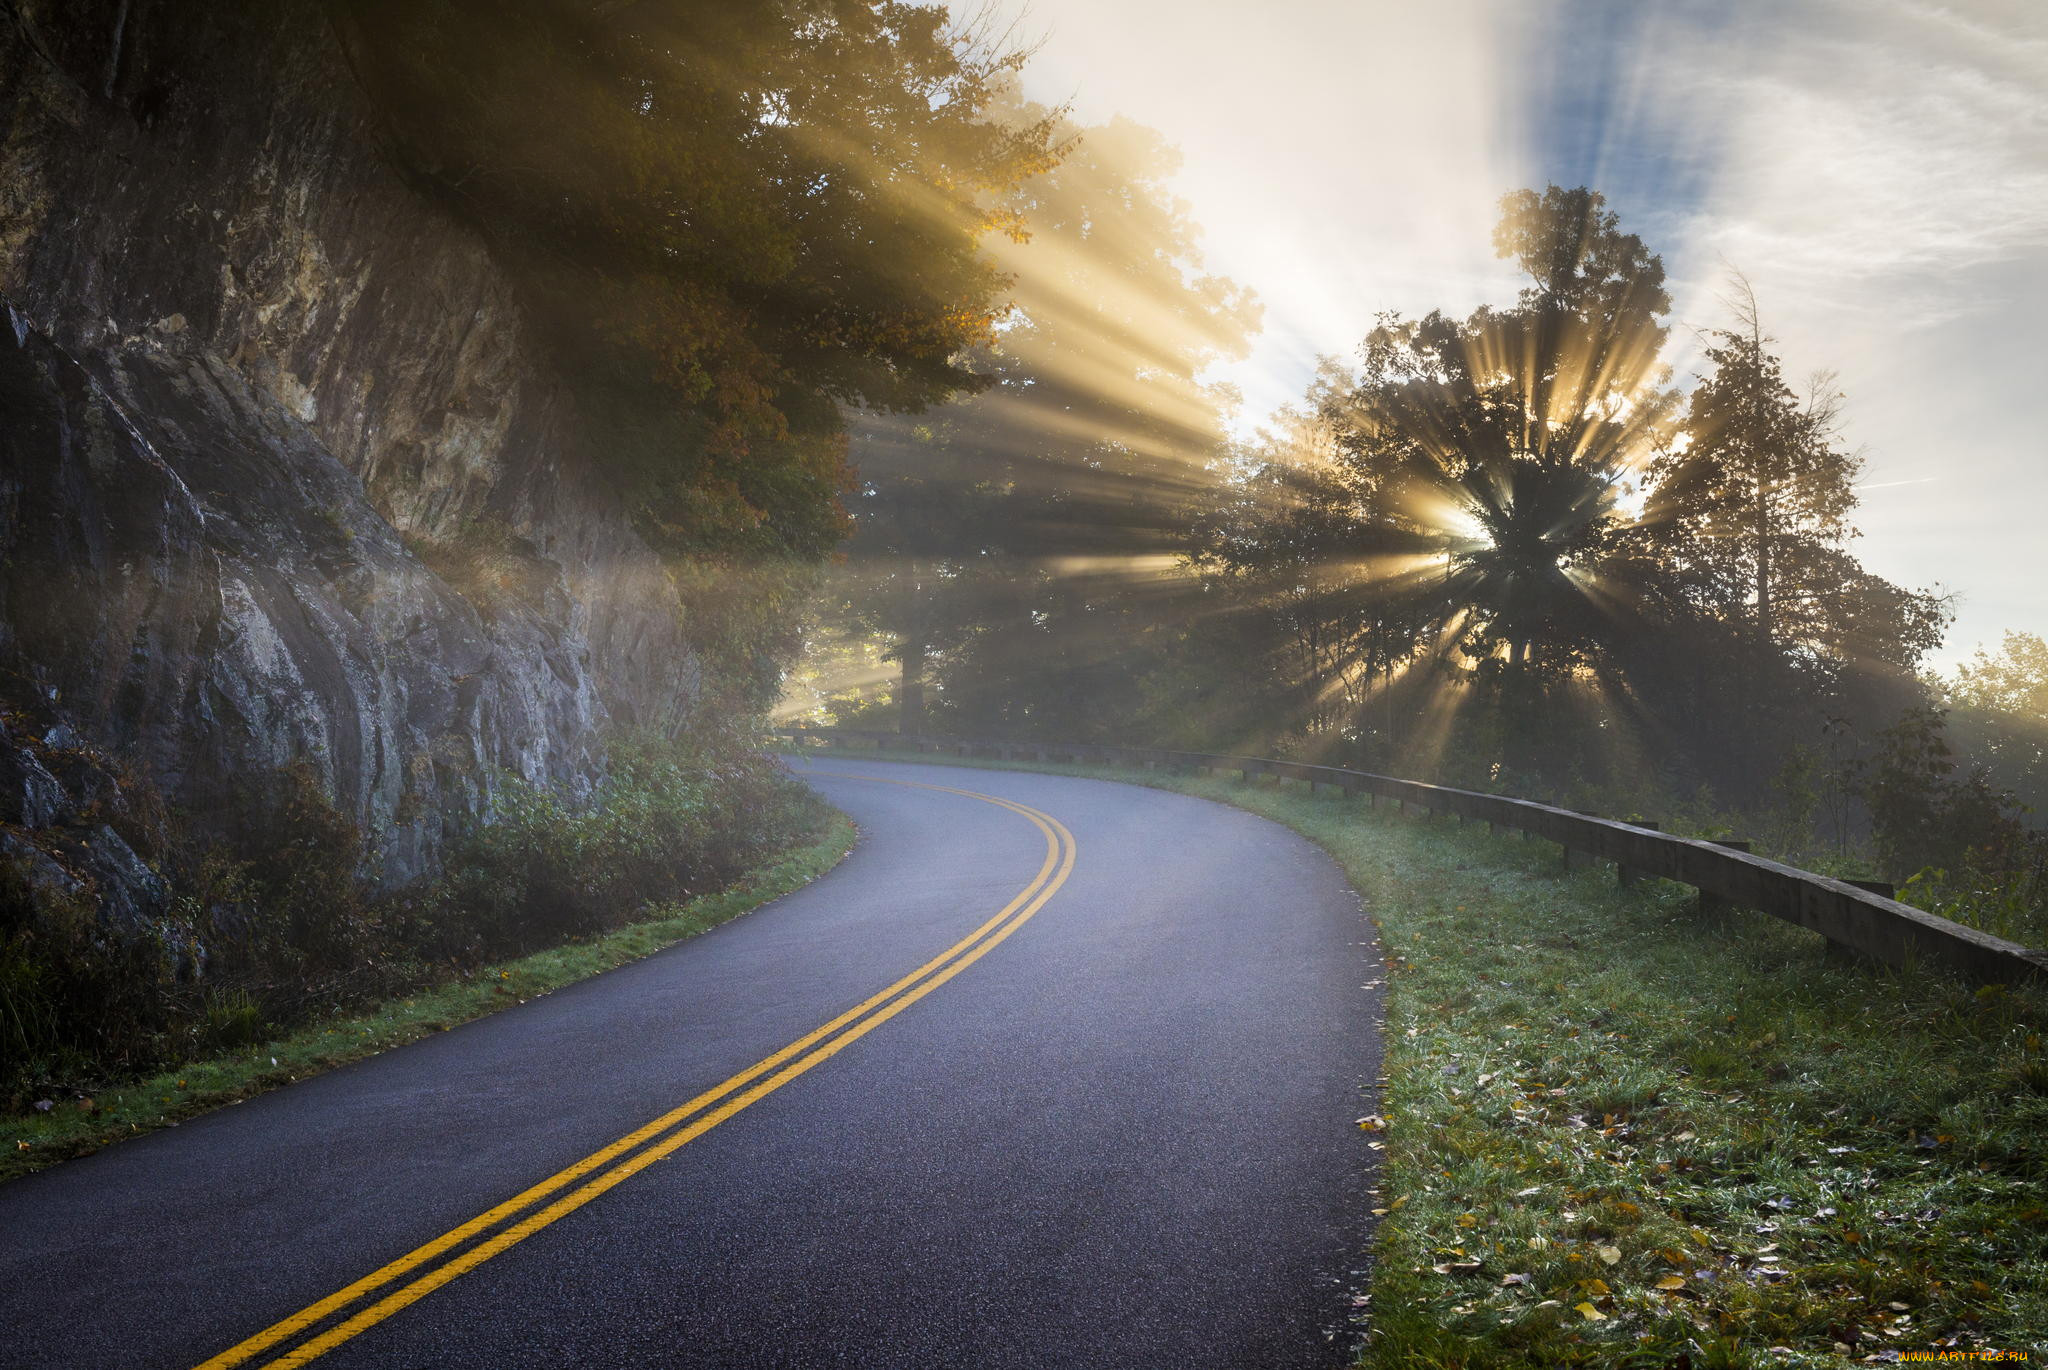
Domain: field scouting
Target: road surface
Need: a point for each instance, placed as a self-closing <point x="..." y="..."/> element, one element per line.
<point x="1053" y="1072"/>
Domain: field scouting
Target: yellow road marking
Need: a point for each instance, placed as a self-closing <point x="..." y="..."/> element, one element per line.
<point x="807" y="1051"/>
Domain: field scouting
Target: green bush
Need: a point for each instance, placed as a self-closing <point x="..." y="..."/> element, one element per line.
<point x="671" y="820"/>
<point x="73" y="998"/>
<point x="290" y="928"/>
<point x="2007" y="897"/>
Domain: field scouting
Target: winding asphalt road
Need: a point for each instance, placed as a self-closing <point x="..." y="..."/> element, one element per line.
<point x="1109" y="1124"/>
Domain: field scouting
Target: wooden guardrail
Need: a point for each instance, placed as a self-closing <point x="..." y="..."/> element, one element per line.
<point x="1861" y="921"/>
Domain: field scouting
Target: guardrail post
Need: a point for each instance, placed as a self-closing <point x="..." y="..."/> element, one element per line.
<point x="1627" y="876"/>
<point x="1713" y="905"/>
<point x="1847" y="955"/>
<point x="1578" y="860"/>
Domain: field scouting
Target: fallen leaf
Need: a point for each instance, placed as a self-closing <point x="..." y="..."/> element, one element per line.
<point x="1609" y="1254"/>
<point x="1670" y="1282"/>
<point x="1589" y="1312"/>
<point x="1467" y="1220"/>
<point x="1513" y="1279"/>
<point x="1372" y="1122"/>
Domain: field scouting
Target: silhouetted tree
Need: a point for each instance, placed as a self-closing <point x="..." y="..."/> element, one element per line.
<point x="1553" y="565"/>
<point x="1998" y="710"/>
<point x="1017" y="546"/>
<point x="1923" y="815"/>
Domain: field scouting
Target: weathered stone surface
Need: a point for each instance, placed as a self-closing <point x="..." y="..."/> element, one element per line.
<point x="30" y="796"/>
<point x="254" y="390"/>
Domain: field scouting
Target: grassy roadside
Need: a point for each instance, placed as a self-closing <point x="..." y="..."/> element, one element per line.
<point x="75" y="1128"/>
<point x="1621" y="1135"/>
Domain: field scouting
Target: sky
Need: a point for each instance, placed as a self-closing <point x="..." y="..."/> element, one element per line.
<point x="1876" y="169"/>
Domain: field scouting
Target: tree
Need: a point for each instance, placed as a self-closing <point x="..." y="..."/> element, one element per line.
<point x="1999" y="710"/>
<point x="1498" y="447"/>
<point x="1761" y="487"/>
<point x="1017" y="545"/>
<point x="1922" y="815"/>
<point x="733" y="217"/>
<point x="1545" y="562"/>
<point x="920" y="571"/>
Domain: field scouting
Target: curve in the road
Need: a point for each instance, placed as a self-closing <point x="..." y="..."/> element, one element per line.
<point x="1124" y="1141"/>
<point x="653" y="1141"/>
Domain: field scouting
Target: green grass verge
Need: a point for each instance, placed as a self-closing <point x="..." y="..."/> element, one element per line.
<point x="74" y="1127"/>
<point x="1621" y="1134"/>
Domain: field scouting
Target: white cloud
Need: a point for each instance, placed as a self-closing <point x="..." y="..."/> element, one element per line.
<point x="1883" y="183"/>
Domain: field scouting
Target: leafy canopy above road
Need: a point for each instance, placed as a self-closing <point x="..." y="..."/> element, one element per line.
<point x="734" y="215"/>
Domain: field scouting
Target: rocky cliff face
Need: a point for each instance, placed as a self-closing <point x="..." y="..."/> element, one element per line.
<point x="283" y="475"/>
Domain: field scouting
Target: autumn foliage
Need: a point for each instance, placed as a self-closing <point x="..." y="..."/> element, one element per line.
<point x="733" y="217"/>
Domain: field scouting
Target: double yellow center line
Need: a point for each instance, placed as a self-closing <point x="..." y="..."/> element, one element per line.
<point x="420" y="1272"/>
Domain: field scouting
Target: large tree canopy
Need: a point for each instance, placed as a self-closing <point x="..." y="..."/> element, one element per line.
<point x="1526" y="502"/>
<point x="736" y="214"/>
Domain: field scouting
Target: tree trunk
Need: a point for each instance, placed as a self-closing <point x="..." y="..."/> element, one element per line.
<point x="1764" y="627"/>
<point x="910" y="695"/>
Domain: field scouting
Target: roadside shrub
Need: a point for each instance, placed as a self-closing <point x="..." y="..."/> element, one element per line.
<point x="2006" y="896"/>
<point x="71" y="997"/>
<point x="672" y="820"/>
<point x="276" y="920"/>
<point x="301" y="858"/>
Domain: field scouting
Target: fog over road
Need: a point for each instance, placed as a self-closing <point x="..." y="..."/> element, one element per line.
<point x="1111" y="1127"/>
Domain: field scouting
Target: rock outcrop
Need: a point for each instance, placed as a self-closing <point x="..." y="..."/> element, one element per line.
<point x="284" y="475"/>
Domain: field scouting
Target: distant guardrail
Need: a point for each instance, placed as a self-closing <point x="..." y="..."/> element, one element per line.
<point x="1862" y="921"/>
